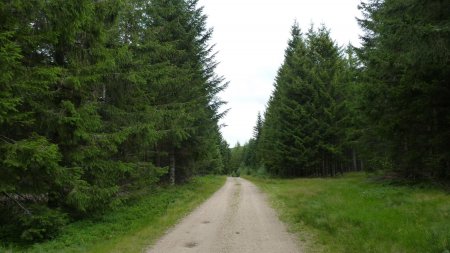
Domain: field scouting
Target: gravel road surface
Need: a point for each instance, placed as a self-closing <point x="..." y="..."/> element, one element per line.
<point x="236" y="219"/>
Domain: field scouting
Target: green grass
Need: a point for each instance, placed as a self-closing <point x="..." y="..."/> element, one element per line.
<point x="356" y="214"/>
<point x="134" y="227"/>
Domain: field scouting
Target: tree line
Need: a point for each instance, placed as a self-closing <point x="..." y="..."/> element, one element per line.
<point x="382" y="106"/>
<point x="99" y="99"/>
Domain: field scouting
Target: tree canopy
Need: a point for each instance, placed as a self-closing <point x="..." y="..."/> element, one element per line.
<point x="98" y="99"/>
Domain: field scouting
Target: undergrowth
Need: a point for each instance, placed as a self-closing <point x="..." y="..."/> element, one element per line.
<point x="356" y="214"/>
<point x="133" y="227"/>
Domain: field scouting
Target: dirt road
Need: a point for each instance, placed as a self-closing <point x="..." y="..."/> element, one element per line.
<point x="236" y="219"/>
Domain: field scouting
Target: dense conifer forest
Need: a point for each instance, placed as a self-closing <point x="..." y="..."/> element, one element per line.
<point x="383" y="106"/>
<point x="101" y="100"/>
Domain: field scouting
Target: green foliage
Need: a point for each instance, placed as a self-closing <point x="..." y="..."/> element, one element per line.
<point x="405" y="99"/>
<point x="236" y="158"/>
<point x="236" y="173"/>
<point x="356" y="214"/>
<point x="305" y="123"/>
<point x="247" y="159"/>
<point x="9" y="64"/>
<point x="30" y="165"/>
<point x="43" y="223"/>
<point x="383" y="106"/>
<point x="96" y="101"/>
<point x="132" y="227"/>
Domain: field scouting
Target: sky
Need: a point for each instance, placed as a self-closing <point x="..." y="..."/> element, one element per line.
<point x="250" y="37"/>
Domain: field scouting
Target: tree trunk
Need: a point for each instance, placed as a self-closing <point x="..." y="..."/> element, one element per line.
<point x="332" y="166"/>
<point x="323" y="166"/>
<point x="355" y="165"/>
<point x="172" y="168"/>
<point x="104" y="93"/>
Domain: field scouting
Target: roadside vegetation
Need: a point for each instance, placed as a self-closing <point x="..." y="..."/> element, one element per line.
<point x="383" y="105"/>
<point x="133" y="227"/>
<point x="354" y="213"/>
<point x="101" y="100"/>
<point x="96" y="103"/>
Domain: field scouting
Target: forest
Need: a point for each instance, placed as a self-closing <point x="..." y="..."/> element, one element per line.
<point x="104" y="101"/>
<point x="384" y="106"/>
<point x="98" y="100"/>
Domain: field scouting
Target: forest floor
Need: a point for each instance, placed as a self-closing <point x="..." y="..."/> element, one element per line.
<point x="235" y="219"/>
<point x="356" y="213"/>
<point x="132" y="227"/>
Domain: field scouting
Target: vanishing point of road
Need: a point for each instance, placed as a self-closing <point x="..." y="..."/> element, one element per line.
<point x="236" y="219"/>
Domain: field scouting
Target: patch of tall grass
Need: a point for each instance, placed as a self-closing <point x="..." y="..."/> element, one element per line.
<point x="356" y="214"/>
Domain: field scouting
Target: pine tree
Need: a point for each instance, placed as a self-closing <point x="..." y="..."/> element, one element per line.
<point x="328" y="82"/>
<point x="36" y="159"/>
<point x="186" y="96"/>
<point x="306" y="119"/>
<point x="257" y="128"/>
<point x="405" y="55"/>
<point x="275" y="140"/>
<point x="97" y="99"/>
<point x="354" y="146"/>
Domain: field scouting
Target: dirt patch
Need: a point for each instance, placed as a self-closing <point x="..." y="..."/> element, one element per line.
<point x="190" y="245"/>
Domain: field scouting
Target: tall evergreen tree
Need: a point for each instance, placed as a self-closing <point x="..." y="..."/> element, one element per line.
<point x="186" y="96"/>
<point x="275" y="142"/>
<point x="251" y="157"/>
<point x="305" y="122"/>
<point x="99" y="98"/>
<point x="405" y="54"/>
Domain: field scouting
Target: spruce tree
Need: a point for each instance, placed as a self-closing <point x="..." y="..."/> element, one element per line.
<point x="185" y="97"/>
<point x="305" y="122"/>
<point x="97" y="98"/>
<point x="405" y="54"/>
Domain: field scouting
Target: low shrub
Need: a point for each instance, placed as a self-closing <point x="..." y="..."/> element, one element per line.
<point x="41" y="224"/>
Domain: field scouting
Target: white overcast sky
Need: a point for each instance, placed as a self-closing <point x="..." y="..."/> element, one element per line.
<point x="251" y="36"/>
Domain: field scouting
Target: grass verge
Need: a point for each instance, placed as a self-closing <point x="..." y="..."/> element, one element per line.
<point x="355" y="214"/>
<point x="134" y="227"/>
